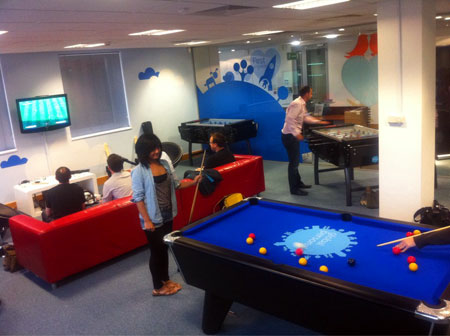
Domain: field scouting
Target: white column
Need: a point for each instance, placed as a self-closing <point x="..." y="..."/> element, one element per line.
<point x="406" y="79"/>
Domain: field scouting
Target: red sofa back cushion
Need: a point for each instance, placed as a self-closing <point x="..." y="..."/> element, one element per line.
<point x="245" y="176"/>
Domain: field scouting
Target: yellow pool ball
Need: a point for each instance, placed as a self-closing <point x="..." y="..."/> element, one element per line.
<point x="249" y="240"/>
<point x="416" y="232"/>
<point x="413" y="267"/>
<point x="323" y="268"/>
<point x="303" y="261"/>
<point x="262" y="250"/>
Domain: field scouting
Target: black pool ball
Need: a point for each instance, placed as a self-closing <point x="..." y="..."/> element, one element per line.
<point x="351" y="262"/>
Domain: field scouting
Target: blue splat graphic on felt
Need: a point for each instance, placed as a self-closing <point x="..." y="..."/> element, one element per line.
<point x="360" y="77"/>
<point x="148" y="73"/>
<point x="319" y="242"/>
<point x="229" y="76"/>
<point x="12" y="161"/>
<point x="212" y="80"/>
<point x="243" y="100"/>
<point x="245" y="70"/>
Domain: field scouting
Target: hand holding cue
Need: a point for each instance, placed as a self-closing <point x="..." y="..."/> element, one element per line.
<point x="196" y="189"/>
<point x="423" y="233"/>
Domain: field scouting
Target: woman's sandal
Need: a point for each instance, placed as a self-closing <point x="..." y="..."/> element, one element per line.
<point x="173" y="284"/>
<point x="164" y="291"/>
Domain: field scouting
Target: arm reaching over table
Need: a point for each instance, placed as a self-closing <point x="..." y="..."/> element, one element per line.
<point x="433" y="238"/>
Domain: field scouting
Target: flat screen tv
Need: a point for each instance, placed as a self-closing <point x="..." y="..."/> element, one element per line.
<point x="43" y="113"/>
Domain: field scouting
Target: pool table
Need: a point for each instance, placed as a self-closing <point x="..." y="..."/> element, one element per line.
<point x="377" y="295"/>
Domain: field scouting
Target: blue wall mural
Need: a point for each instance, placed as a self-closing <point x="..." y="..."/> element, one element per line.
<point x="212" y="80"/>
<point x="266" y="65"/>
<point x="242" y="100"/>
<point x="237" y="98"/>
<point x="245" y="70"/>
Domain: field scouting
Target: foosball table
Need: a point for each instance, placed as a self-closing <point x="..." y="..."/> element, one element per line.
<point x="234" y="130"/>
<point x="345" y="146"/>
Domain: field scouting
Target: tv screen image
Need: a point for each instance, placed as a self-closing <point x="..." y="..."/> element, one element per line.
<point x="43" y="113"/>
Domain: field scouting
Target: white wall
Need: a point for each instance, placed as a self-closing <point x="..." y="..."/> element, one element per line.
<point x="166" y="101"/>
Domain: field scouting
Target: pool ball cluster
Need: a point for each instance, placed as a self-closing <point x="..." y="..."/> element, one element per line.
<point x="298" y="251"/>
<point x="251" y="239"/>
<point x="411" y="259"/>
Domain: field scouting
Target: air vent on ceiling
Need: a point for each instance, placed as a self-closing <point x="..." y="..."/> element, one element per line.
<point x="227" y="10"/>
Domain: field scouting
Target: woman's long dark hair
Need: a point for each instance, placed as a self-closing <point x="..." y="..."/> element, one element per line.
<point x="146" y="144"/>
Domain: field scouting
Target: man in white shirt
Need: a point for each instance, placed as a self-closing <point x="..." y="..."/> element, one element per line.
<point x="119" y="184"/>
<point x="291" y="135"/>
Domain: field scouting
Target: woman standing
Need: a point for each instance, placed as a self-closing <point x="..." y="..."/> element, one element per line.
<point x="154" y="194"/>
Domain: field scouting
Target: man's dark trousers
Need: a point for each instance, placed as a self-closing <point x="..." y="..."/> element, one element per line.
<point x="292" y="145"/>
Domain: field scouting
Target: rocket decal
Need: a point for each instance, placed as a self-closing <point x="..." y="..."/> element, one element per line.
<point x="266" y="78"/>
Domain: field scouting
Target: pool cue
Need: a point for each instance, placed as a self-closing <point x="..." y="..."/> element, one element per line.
<point x="196" y="189"/>
<point x="424" y="233"/>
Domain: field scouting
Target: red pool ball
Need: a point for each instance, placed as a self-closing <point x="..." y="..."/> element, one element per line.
<point x="252" y="235"/>
<point x="411" y="259"/>
<point x="409" y="234"/>
<point x="396" y="250"/>
<point x="299" y="251"/>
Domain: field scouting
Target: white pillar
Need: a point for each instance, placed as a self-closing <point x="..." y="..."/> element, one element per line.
<point x="406" y="79"/>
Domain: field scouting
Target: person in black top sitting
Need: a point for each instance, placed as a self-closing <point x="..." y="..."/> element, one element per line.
<point x="433" y="238"/>
<point x="64" y="199"/>
<point x="221" y="154"/>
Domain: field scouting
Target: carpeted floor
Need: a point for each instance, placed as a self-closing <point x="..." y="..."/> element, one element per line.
<point x="115" y="298"/>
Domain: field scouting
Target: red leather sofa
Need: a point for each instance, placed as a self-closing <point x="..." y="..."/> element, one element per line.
<point x="66" y="246"/>
<point x="76" y="242"/>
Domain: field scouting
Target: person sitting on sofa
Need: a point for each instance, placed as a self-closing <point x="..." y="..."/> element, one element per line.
<point x="221" y="154"/>
<point x="64" y="199"/>
<point x="119" y="184"/>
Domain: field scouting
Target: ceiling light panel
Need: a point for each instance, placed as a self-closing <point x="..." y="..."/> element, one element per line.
<point x="191" y="43"/>
<point x="84" y="45"/>
<point x="264" y="32"/>
<point x="308" y="4"/>
<point x="156" y="32"/>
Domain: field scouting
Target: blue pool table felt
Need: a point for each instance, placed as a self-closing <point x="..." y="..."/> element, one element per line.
<point x="331" y="241"/>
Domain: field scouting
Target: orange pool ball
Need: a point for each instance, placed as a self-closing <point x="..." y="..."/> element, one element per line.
<point x="262" y="250"/>
<point x="413" y="267"/>
<point x="249" y="240"/>
<point x="323" y="268"/>
<point x="416" y="232"/>
<point x="303" y="261"/>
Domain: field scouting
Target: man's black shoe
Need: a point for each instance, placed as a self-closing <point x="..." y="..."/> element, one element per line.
<point x="299" y="192"/>
<point x="304" y="186"/>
